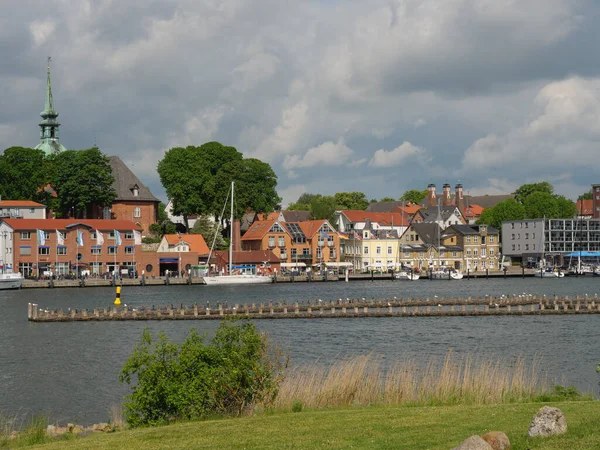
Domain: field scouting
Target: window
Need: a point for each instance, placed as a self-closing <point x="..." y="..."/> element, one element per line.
<point x="129" y="250"/>
<point x="129" y="235"/>
<point x="106" y="215"/>
<point x="512" y="236"/>
<point x="271" y="241"/>
<point x="112" y="250"/>
<point x="61" y="250"/>
<point x="61" y="268"/>
<point x="483" y="252"/>
<point x="526" y="235"/>
<point x="468" y="252"/>
<point x="294" y="252"/>
<point x="276" y="228"/>
<point x="281" y="241"/>
<point x="491" y="239"/>
<point x="468" y="238"/>
<point x="526" y="224"/>
<point x="31" y="210"/>
<point x="111" y="235"/>
<point x="491" y="252"/>
<point x="526" y="246"/>
<point x="389" y="250"/>
<point x="366" y="250"/>
<point x="533" y="235"/>
<point x="137" y="212"/>
<point x="96" y="250"/>
<point x="378" y="250"/>
<point x="475" y="252"/>
<point x="332" y="254"/>
<point x="518" y="235"/>
<point x="136" y="192"/>
<point x="406" y="255"/>
<point x="518" y="246"/>
<point x="534" y="246"/>
<point x="25" y="250"/>
<point x="513" y="246"/>
<point x="43" y="250"/>
<point x="475" y="238"/>
<point x="25" y="235"/>
<point x="454" y="254"/>
<point x="305" y="252"/>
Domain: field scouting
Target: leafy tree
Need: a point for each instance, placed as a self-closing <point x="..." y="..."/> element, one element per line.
<point x="323" y="207"/>
<point x="24" y="172"/>
<point x="506" y="210"/>
<point x="414" y="196"/>
<point x="351" y="200"/>
<point x="209" y="229"/>
<point x="237" y="370"/>
<point x="541" y="204"/>
<point x="197" y="180"/>
<point x="303" y="203"/>
<point x="526" y="190"/>
<point x="387" y="199"/>
<point x="162" y="214"/>
<point x="566" y="208"/>
<point x="585" y="196"/>
<point x="82" y="178"/>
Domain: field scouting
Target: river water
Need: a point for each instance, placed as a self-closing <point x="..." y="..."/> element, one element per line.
<point x="70" y="370"/>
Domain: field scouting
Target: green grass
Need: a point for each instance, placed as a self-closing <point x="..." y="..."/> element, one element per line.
<point x="381" y="427"/>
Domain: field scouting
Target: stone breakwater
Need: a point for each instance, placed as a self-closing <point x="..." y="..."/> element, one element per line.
<point x="340" y="308"/>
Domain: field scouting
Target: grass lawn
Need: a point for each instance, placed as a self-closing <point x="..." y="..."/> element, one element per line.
<point x="412" y="428"/>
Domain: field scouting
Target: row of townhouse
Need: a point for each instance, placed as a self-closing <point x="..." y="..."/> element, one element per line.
<point x="424" y="245"/>
<point x="36" y="247"/>
<point x="295" y="244"/>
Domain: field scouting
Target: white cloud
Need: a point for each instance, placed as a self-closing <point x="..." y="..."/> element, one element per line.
<point x="291" y="193"/>
<point x="327" y="154"/>
<point x="285" y="136"/>
<point x="405" y="151"/>
<point x="562" y="132"/>
<point x="41" y="31"/>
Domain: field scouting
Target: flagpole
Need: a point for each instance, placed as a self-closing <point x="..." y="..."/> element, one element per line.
<point x="56" y="254"/>
<point x="77" y="254"/>
<point x="37" y="252"/>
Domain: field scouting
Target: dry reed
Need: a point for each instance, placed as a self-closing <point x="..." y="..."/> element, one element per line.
<point x="363" y="381"/>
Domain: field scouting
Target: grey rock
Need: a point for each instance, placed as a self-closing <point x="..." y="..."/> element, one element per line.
<point x="473" y="443"/>
<point x="548" y="421"/>
<point x="497" y="440"/>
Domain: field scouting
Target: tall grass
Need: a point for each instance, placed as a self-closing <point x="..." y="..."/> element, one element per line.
<point x="363" y="381"/>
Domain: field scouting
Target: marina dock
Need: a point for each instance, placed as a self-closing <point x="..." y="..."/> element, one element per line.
<point x="518" y="305"/>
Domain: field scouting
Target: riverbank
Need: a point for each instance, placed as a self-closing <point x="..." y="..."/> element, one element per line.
<point x="414" y="428"/>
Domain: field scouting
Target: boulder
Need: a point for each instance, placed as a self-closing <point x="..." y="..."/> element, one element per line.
<point x="473" y="443"/>
<point x="497" y="440"/>
<point x="548" y="421"/>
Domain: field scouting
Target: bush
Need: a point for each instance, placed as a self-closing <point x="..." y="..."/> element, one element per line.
<point x="297" y="406"/>
<point x="228" y="376"/>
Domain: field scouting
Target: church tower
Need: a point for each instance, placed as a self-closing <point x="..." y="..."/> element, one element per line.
<point x="49" y="125"/>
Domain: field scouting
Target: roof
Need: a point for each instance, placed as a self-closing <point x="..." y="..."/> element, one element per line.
<point x="429" y="232"/>
<point x="486" y="201"/>
<point x="471" y="229"/>
<point x="410" y="208"/>
<point x="296" y="216"/>
<point x="195" y="241"/>
<point x="585" y="209"/>
<point x="62" y="224"/>
<point x="258" y="230"/>
<point x="311" y="227"/>
<point x="430" y="213"/>
<point x="383" y="206"/>
<point x="250" y="256"/>
<point x="473" y="211"/>
<point x="20" y="203"/>
<point x="247" y="220"/>
<point x="382" y="218"/>
<point x="125" y="180"/>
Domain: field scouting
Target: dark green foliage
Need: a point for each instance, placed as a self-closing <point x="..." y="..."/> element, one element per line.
<point x="526" y="190"/>
<point x="81" y="178"/>
<point x="562" y="394"/>
<point x="234" y="372"/>
<point x="387" y="199"/>
<point x="297" y="406"/>
<point x="209" y="230"/>
<point x="197" y="180"/>
<point x="585" y="196"/>
<point x="351" y="200"/>
<point x="24" y="172"/>
<point x="508" y="209"/>
<point x="541" y="204"/>
<point x="414" y="196"/>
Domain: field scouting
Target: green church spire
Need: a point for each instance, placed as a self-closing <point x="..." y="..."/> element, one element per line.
<point x="49" y="125"/>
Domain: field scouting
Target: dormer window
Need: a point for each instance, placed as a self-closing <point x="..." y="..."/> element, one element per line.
<point x="135" y="190"/>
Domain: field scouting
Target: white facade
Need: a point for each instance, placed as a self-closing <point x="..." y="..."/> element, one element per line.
<point x="178" y="219"/>
<point x="180" y="247"/>
<point x="23" y="212"/>
<point x="346" y="226"/>
<point x="6" y="248"/>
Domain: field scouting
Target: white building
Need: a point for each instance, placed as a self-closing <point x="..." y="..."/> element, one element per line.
<point x="22" y="209"/>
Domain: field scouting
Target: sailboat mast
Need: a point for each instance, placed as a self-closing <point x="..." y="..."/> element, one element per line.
<point x="231" y="234"/>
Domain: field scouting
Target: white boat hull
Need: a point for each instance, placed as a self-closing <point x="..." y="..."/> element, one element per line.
<point x="237" y="279"/>
<point x="10" y="281"/>
<point x="545" y="274"/>
<point x="407" y="276"/>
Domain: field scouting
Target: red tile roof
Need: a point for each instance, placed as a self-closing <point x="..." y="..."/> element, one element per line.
<point x="382" y="218"/>
<point x="587" y="209"/>
<point x="61" y="224"/>
<point x="473" y="211"/>
<point x="310" y="227"/>
<point x="195" y="241"/>
<point x="20" y="203"/>
<point x="408" y="209"/>
<point x="258" y="230"/>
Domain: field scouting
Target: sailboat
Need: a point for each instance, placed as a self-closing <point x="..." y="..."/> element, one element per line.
<point x="232" y="278"/>
<point x="440" y="273"/>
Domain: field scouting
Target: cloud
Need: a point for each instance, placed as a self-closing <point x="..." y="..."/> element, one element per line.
<point x="327" y="154"/>
<point x="562" y="132"/>
<point x="405" y="151"/>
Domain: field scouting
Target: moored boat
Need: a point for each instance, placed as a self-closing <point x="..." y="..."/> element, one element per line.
<point x="406" y="275"/>
<point x="10" y="280"/>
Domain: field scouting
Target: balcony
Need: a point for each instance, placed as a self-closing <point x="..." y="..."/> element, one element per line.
<point x="303" y="256"/>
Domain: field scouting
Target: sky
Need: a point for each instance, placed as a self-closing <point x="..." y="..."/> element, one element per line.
<point x="378" y="96"/>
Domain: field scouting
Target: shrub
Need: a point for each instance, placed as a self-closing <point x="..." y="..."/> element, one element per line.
<point x="297" y="406"/>
<point x="234" y="372"/>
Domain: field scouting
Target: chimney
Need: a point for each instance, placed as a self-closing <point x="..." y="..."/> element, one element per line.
<point x="446" y="195"/>
<point x="236" y="236"/>
<point x="459" y="200"/>
<point x="431" y="198"/>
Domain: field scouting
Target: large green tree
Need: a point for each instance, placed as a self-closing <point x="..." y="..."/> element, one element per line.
<point x="303" y="202"/>
<point x="351" y="200"/>
<point x="566" y="207"/>
<point x="81" y="178"/>
<point x="585" y="196"/>
<point x="323" y="207"/>
<point x="414" y="196"/>
<point x="198" y="179"/>
<point x="541" y="204"/>
<point x="24" y="172"/>
<point x="526" y="190"/>
<point x="506" y="210"/>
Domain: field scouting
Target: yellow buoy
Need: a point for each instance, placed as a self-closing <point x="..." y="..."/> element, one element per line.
<point x="118" y="299"/>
